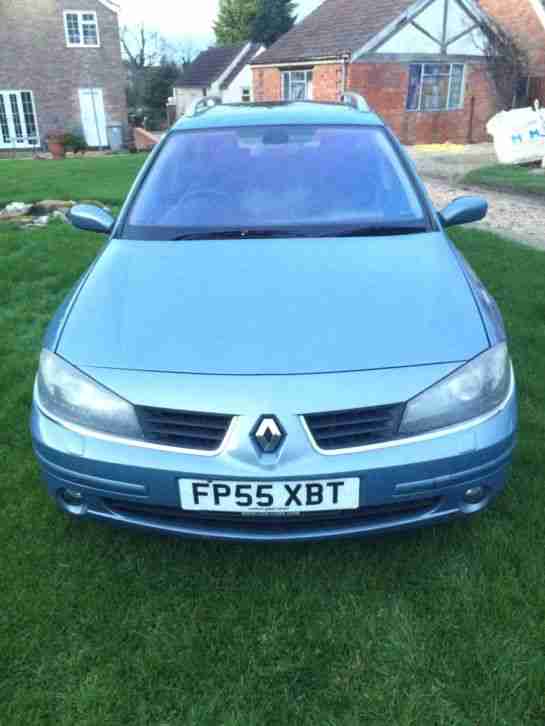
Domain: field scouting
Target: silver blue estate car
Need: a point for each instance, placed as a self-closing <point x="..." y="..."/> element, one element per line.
<point x="278" y="341"/>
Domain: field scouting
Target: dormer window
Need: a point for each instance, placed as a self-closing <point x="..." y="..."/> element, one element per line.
<point x="81" y="29"/>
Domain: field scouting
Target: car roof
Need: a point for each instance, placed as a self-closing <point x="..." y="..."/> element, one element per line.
<point x="278" y="113"/>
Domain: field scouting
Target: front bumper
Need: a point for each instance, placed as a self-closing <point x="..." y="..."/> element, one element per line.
<point x="410" y="485"/>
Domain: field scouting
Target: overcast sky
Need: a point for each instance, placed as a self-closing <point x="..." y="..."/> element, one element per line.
<point x="184" y="18"/>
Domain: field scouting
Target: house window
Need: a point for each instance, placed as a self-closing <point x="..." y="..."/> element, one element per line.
<point x="435" y="87"/>
<point x="81" y="29"/>
<point x="16" y="116"/>
<point x="246" y="95"/>
<point x="4" y="128"/>
<point x="18" y="125"/>
<point x="297" y="85"/>
<point x="29" y="116"/>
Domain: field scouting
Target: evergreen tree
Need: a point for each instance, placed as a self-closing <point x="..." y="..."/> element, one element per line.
<point x="273" y="18"/>
<point x="161" y="80"/>
<point x="262" y="21"/>
<point x="235" y="21"/>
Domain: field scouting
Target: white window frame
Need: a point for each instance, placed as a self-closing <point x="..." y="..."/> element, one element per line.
<point x="448" y="108"/>
<point x="246" y="91"/>
<point x="309" y="81"/>
<point x="16" y="142"/>
<point x="81" y="23"/>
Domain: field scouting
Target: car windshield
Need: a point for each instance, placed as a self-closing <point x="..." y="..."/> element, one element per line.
<point x="276" y="180"/>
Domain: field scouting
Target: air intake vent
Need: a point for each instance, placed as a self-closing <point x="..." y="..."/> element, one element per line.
<point x="184" y="429"/>
<point x="356" y="427"/>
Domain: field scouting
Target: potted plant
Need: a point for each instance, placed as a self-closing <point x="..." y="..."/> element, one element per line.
<point x="75" y="141"/>
<point x="56" y="143"/>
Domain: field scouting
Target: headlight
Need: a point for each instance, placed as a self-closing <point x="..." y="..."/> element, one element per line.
<point x="473" y="390"/>
<point x="69" y="394"/>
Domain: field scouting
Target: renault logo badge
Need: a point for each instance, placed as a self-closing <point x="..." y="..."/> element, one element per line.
<point x="268" y="434"/>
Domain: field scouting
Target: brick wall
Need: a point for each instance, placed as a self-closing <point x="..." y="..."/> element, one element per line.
<point x="385" y="87"/>
<point x="144" y="140"/>
<point x="35" y="57"/>
<point x="267" y="84"/>
<point x="326" y="80"/>
<point x="523" y="21"/>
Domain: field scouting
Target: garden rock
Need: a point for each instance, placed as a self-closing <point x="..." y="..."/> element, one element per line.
<point x="16" y="209"/>
<point x="51" y="205"/>
<point x="37" y="214"/>
<point x="57" y="214"/>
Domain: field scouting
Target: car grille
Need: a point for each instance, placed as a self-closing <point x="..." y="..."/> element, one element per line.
<point x="184" y="429"/>
<point x="355" y="427"/>
<point x="290" y="523"/>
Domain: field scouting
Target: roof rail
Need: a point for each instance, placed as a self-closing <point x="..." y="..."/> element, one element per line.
<point x="349" y="98"/>
<point x="200" y="105"/>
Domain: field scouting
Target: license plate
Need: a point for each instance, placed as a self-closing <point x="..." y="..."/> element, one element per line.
<point x="278" y="497"/>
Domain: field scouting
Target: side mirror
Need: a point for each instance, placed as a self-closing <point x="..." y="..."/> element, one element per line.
<point x="463" y="211"/>
<point x="91" y="218"/>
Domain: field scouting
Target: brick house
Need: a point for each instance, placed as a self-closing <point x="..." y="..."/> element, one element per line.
<point x="61" y="68"/>
<point x="421" y="65"/>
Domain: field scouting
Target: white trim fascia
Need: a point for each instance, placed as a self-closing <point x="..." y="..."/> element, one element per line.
<point x="412" y="12"/>
<point x="397" y="24"/>
<point x="473" y="9"/>
<point x="232" y="65"/>
<point x="539" y="11"/>
<point x="114" y="7"/>
<point x="297" y="64"/>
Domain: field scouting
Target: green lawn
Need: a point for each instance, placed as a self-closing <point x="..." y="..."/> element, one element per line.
<point x="100" y="178"/>
<point x="508" y="178"/>
<point x="101" y="626"/>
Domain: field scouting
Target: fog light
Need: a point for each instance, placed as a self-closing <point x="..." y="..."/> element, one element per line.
<point x="72" y="497"/>
<point x="474" y="495"/>
<point x="72" y="501"/>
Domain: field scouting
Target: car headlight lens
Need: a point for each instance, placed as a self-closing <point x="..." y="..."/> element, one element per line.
<point x="471" y="391"/>
<point x="70" y="395"/>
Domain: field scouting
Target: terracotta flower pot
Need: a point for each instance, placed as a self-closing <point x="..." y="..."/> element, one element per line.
<point x="56" y="147"/>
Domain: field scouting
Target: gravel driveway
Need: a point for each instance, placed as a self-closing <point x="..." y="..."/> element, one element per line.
<point x="442" y="167"/>
<point x="518" y="217"/>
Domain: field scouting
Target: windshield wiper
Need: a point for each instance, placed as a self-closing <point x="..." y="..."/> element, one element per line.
<point x="238" y="233"/>
<point x="377" y="230"/>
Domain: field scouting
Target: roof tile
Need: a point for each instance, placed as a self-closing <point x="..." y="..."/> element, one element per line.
<point x="336" y="26"/>
<point x="209" y="65"/>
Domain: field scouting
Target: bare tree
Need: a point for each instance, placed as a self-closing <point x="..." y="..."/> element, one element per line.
<point x="181" y="50"/>
<point x="143" y="47"/>
<point x="153" y="63"/>
<point x="507" y="62"/>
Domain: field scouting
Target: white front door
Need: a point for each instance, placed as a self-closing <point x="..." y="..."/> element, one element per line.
<point x="93" y="116"/>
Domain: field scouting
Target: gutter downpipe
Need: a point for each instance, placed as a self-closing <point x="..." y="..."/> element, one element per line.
<point x="345" y="60"/>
